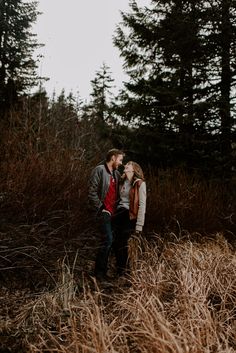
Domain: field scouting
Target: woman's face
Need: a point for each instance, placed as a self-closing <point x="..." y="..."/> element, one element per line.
<point x="129" y="170"/>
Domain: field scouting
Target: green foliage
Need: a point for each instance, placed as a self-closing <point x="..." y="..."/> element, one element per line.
<point x="99" y="107"/>
<point x="179" y="57"/>
<point x="17" y="44"/>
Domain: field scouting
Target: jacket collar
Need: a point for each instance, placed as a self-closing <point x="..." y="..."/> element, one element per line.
<point x="108" y="170"/>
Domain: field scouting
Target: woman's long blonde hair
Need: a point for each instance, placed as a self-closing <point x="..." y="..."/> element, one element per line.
<point x="138" y="172"/>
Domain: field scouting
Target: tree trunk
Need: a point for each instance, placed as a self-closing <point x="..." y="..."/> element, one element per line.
<point x="225" y="85"/>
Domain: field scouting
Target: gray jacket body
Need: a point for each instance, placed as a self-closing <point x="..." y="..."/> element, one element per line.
<point x="99" y="184"/>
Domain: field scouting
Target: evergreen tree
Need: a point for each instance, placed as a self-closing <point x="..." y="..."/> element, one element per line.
<point x="96" y="117"/>
<point x="221" y="36"/>
<point x="161" y="49"/>
<point x="101" y="85"/>
<point x="17" y="44"/>
<point x="179" y="56"/>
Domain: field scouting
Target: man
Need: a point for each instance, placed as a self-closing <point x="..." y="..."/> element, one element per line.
<point x="103" y="196"/>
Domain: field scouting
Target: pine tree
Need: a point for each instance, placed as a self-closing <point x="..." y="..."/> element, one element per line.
<point x="101" y="92"/>
<point x="161" y="50"/>
<point x="96" y="117"/>
<point x="222" y="38"/>
<point x="180" y="58"/>
<point x="17" y="44"/>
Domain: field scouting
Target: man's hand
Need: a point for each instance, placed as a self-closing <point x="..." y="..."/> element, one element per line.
<point x="138" y="232"/>
<point x="105" y="211"/>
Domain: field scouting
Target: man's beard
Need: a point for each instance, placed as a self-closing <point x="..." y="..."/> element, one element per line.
<point x="114" y="166"/>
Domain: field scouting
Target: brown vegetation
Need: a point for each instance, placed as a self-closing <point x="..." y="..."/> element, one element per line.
<point x="181" y="291"/>
<point x="181" y="299"/>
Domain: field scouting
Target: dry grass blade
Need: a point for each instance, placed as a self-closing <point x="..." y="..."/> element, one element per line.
<point x="134" y="250"/>
<point x="180" y="300"/>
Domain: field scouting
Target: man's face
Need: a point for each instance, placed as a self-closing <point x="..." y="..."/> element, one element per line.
<point x="117" y="161"/>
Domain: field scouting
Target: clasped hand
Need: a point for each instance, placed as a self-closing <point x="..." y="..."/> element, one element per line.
<point x="105" y="211"/>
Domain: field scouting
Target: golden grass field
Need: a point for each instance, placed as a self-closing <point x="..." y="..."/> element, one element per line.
<point x="179" y="297"/>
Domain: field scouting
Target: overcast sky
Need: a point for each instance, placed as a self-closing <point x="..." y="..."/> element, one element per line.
<point x="78" y="38"/>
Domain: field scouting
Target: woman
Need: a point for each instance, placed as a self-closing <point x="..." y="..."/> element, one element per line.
<point x="130" y="213"/>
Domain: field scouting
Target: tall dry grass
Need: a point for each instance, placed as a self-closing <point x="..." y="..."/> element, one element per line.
<point x="179" y="300"/>
<point x="180" y="201"/>
<point x="43" y="193"/>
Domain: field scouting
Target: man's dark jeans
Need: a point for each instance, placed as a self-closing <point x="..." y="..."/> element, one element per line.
<point x="105" y="243"/>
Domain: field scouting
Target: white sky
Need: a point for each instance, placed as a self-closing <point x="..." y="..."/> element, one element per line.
<point x="78" y="38"/>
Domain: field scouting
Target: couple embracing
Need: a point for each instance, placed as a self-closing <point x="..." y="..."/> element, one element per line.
<point x="118" y="204"/>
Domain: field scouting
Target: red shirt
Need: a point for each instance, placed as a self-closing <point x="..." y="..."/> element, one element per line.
<point x="110" y="199"/>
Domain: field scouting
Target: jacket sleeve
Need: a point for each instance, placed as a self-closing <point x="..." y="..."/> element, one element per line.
<point x="142" y="207"/>
<point x="93" y="189"/>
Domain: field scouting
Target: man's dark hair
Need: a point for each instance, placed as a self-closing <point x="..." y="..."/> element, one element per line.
<point x="113" y="152"/>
